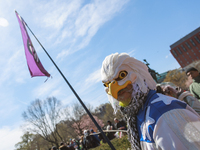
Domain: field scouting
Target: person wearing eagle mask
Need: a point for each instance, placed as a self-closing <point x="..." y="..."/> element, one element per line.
<point x="155" y="121"/>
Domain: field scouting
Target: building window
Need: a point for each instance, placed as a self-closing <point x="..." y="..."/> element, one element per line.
<point x="192" y="42"/>
<point x="187" y="53"/>
<point x="192" y="50"/>
<point x="197" y="57"/>
<point x="175" y="54"/>
<point x="179" y="50"/>
<point x="197" y="39"/>
<point x="194" y="54"/>
<point x="188" y="45"/>
<point x="184" y="48"/>
<point x="197" y="48"/>
<point x="183" y="55"/>
<point x="187" y="62"/>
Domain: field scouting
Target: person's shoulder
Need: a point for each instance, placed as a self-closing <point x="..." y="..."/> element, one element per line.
<point x="165" y="103"/>
<point x="122" y="121"/>
<point x="191" y="87"/>
<point x="164" y="99"/>
<point x="192" y="84"/>
<point x="61" y="146"/>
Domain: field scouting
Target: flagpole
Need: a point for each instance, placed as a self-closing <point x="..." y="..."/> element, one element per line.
<point x="88" y="112"/>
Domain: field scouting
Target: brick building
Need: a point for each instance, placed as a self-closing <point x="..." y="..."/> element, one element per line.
<point x="187" y="49"/>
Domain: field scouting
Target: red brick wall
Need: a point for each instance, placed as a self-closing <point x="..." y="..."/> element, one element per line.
<point x="190" y="55"/>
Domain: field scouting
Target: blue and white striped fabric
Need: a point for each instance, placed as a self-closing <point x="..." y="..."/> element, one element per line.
<point x="168" y="123"/>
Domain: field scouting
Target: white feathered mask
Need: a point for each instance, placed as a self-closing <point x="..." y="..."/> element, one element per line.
<point x="120" y="70"/>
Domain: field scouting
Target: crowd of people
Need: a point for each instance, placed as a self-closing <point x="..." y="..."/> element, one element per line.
<point x="91" y="139"/>
<point x="71" y="145"/>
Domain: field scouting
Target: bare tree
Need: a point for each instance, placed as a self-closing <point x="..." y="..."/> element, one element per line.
<point x="74" y="116"/>
<point x="43" y="117"/>
<point x="66" y="130"/>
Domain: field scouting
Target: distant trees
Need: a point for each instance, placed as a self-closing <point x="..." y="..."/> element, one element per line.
<point x="177" y="77"/>
<point x="26" y="139"/>
<point x="75" y="117"/>
<point x="31" y="141"/>
<point x="43" y="118"/>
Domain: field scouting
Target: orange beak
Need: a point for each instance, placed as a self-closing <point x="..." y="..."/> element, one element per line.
<point x="114" y="88"/>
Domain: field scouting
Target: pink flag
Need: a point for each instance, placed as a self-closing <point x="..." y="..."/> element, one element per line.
<point x="34" y="65"/>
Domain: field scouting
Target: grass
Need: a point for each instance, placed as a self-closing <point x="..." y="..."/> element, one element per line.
<point x="119" y="144"/>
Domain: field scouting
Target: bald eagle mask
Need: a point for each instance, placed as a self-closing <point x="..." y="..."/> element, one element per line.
<point x="120" y="74"/>
<point x="127" y="83"/>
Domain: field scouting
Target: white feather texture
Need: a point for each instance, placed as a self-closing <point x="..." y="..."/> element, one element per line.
<point x="115" y="63"/>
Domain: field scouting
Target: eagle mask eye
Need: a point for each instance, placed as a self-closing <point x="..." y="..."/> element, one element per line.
<point x="122" y="75"/>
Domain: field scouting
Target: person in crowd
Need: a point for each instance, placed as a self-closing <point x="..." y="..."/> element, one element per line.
<point x="93" y="140"/>
<point x="195" y="86"/>
<point x="82" y="144"/>
<point x="72" y="144"/>
<point x="76" y="144"/>
<point x="53" y="148"/>
<point x="155" y="121"/>
<point x="120" y="125"/>
<point x="159" y="89"/>
<point x="87" y="139"/>
<point x="63" y="146"/>
<point x="174" y="91"/>
<point x="68" y="144"/>
<point x="110" y="126"/>
<point x="90" y="141"/>
<point x="95" y="136"/>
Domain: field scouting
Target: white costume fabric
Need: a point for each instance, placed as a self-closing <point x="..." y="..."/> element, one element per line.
<point x="167" y="123"/>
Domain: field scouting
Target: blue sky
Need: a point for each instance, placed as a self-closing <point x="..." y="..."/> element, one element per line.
<point x="79" y="34"/>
